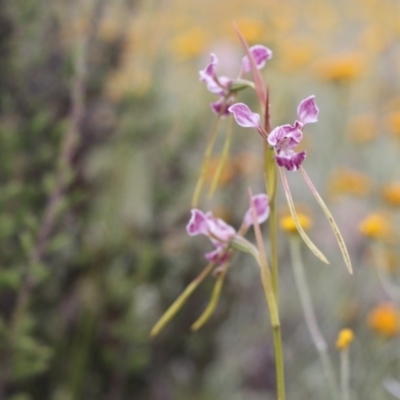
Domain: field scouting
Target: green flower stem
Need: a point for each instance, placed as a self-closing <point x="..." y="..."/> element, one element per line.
<point x="206" y="159"/>
<point x="309" y="314"/>
<point x="222" y="161"/>
<point x="345" y="373"/>
<point x="271" y="183"/>
<point x="266" y="281"/>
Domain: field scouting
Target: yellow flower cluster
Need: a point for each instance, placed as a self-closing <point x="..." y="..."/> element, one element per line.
<point x="385" y="320"/>
<point x="376" y="226"/>
<point x="288" y="225"/>
<point x="345" y="337"/>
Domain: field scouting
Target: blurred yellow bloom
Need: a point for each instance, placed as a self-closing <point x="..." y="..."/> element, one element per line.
<point x="295" y="53"/>
<point x="288" y="225"/>
<point x="376" y="226"/>
<point x="392" y="122"/>
<point x="190" y="43"/>
<point x="391" y="194"/>
<point x="362" y="129"/>
<point x="346" y="181"/>
<point x="341" y="67"/>
<point x="345" y="337"/>
<point x="384" y="319"/>
<point x="251" y="29"/>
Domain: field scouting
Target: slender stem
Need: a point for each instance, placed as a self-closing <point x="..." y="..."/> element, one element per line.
<point x="271" y="181"/>
<point x="309" y="315"/>
<point x="223" y="159"/>
<point x="206" y="159"/>
<point x="345" y="373"/>
<point x="266" y="280"/>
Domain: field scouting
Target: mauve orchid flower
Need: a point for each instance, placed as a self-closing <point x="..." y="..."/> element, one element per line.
<point x="283" y="138"/>
<point x="219" y="232"/>
<point x="223" y="86"/>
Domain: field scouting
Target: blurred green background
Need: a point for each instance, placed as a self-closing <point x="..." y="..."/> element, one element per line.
<point x="103" y="126"/>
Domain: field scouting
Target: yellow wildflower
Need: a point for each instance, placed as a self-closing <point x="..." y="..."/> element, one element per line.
<point x="392" y="122"/>
<point x="346" y="181"/>
<point x="391" y="194"/>
<point x="345" y="337"/>
<point x="190" y="43"/>
<point x="362" y="129"/>
<point x="376" y="226"/>
<point x="295" y="53"/>
<point x="340" y="68"/>
<point x="251" y="29"/>
<point x="288" y="225"/>
<point x="384" y="319"/>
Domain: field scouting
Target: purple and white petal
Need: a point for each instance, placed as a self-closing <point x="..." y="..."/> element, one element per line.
<point x="219" y="230"/>
<point x="285" y="136"/>
<point x="209" y="70"/>
<point x="307" y="111"/>
<point x="245" y="117"/>
<point x="198" y="223"/>
<point x="215" y="254"/>
<point x="290" y="160"/>
<point x="260" y="54"/>
<point x="262" y="209"/>
<point x="219" y="108"/>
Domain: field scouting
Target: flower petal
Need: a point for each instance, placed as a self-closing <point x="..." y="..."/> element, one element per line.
<point x="244" y="116"/>
<point x="285" y="137"/>
<point x="260" y="54"/>
<point x="262" y="209"/>
<point x="307" y="111"/>
<point x="290" y="160"/>
<point x="217" y="108"/>
<point x="215" y="254"/>
<point x="209" y="70"/>
<point x="197" y="224"/>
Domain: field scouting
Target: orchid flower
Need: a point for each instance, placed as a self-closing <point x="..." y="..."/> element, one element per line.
<point x="226" y="87"/>
<point x="283" y="138"/>
<point x="219" y="232"/>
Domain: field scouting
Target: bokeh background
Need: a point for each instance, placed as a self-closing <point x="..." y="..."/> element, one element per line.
<point x="103" y="126"/>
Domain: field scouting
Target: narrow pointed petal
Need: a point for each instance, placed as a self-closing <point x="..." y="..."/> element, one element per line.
<point x="244" y="116"/>
<point x="261" y="205"/>
<point x="300" y="229"/>
<point x="260" y="55"/>
<point x="307" y="111"/>
<point x="335" y="229"/>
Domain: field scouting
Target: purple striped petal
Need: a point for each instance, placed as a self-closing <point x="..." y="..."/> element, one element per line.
<point x="262" y="208"/>
<point x="307" y="111"/>
<point x="244" y="116"/>
<point x="260" y="54"/>
<point x="290" y="160"/>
